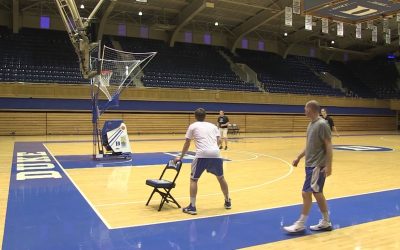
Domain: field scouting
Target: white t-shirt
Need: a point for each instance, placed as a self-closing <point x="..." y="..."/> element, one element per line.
<point x="205" y="136"/>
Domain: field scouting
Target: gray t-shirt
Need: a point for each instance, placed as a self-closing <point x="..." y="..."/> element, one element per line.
<point x="317" y="132"/>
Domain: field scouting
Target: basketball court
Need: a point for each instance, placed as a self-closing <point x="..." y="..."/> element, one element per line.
<point x="55" y="195"/>
<point x="81" y="203"/>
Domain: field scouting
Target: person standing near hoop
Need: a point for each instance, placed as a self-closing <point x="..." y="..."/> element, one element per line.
<point x="223" y="122"/>
<point x="329" y="120"/>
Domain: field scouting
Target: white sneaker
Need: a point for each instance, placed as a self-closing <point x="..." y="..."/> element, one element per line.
<point x="297" y="227"/>
<point x="323" y="225"/>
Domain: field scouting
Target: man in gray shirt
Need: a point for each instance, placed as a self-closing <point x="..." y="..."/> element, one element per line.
<point x="318" y="153"/>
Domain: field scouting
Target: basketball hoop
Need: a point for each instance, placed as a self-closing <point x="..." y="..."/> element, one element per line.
<point x="102" y="81"/>
<point x="104" y="77"/>
<point x="116" y="70"/>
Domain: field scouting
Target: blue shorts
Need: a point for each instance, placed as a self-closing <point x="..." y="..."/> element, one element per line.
<point x="213" y="165"/>
<point x="315" y="180"/>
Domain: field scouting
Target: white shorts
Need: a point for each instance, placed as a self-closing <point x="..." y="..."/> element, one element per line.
<point x="223" y="132"/>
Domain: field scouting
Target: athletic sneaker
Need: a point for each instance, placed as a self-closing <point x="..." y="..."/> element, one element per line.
<point x="228" y="204"/>
<point x="323" y="225"/>
<point x="226" y="147"/>
<point x="297" y="227"/>
<point x="220" y="147"/>
<point x="190" y="210"/>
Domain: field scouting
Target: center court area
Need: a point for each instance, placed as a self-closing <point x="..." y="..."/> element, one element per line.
<point x="101" y="205"/>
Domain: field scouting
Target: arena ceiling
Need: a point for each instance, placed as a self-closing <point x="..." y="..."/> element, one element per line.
<point x="260" y="19"/>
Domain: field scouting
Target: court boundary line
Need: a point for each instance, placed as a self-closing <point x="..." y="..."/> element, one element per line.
<point x="79" y="190"/>
<point x="249" y="211"/>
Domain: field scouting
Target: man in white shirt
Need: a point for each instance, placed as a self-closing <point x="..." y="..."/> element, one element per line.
<point x="206" y="137"/>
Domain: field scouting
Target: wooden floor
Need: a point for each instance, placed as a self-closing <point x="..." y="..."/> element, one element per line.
<point x="259" y="174"/>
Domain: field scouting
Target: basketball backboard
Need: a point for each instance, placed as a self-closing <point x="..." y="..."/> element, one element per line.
<point x="81" y="32"/>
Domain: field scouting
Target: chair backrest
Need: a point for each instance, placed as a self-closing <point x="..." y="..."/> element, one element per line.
<point x="173" y="166"/>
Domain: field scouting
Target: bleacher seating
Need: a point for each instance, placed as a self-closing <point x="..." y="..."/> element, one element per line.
<point x="35" y="55"/>
<point x="47" y="56"/>
<point x="379" y="75"/>
<point x="289" y="75"/>
<point x="186" y="66"/>
<point x="356" y="88"/>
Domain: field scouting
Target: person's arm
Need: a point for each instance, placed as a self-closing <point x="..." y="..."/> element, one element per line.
<point x="336" y="132"/>
<point x="328" y="161"/>
<point x="297" y="160"/>
<point x="219" y="141"/>
<point x="185" y="148"/>
<point x="227" y="122"/>
<point x="332" y="124"/>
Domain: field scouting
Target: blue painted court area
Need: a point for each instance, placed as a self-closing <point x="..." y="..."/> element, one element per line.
<point x="138" y="159"/>
<point x="46" y="211"/>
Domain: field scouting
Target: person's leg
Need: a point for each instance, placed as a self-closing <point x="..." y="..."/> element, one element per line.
<point x="193" y="192"/>
<point x="307" y="203"/>
<point x="221" y="134"/>
<point x="226" y="138"/>
<point x="225" y="191"/>
<point x="319" y="195"/>
<point x="198" y="168"/>
<point x="325" y="223"/>
<point x="322" y="204"/>
<point x="215" y="167"/>
<point x="224" y="186"/>
<point x="298" y="226"/>
<point x="191" y="209"/>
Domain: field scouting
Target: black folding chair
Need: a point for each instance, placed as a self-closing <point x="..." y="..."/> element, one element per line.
<point x="163" y="186"/>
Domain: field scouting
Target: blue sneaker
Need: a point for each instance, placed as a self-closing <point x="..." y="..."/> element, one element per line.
<point x="228" y="204"/>
<point x="190" y="210"/>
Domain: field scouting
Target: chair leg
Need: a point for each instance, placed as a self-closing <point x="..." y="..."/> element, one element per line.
<point x="154" y="190"/>
<point x="161" y="204"/>
<point x="164" y="198"/>
<point x="179" y="206"/>
<point x="168" y="195"/>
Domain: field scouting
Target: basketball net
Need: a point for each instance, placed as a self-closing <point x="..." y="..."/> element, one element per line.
<point x="118" y="70"/>
<point x="102" y="81"/>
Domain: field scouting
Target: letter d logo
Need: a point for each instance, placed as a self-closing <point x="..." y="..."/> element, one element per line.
<point x="359" y="11"/>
